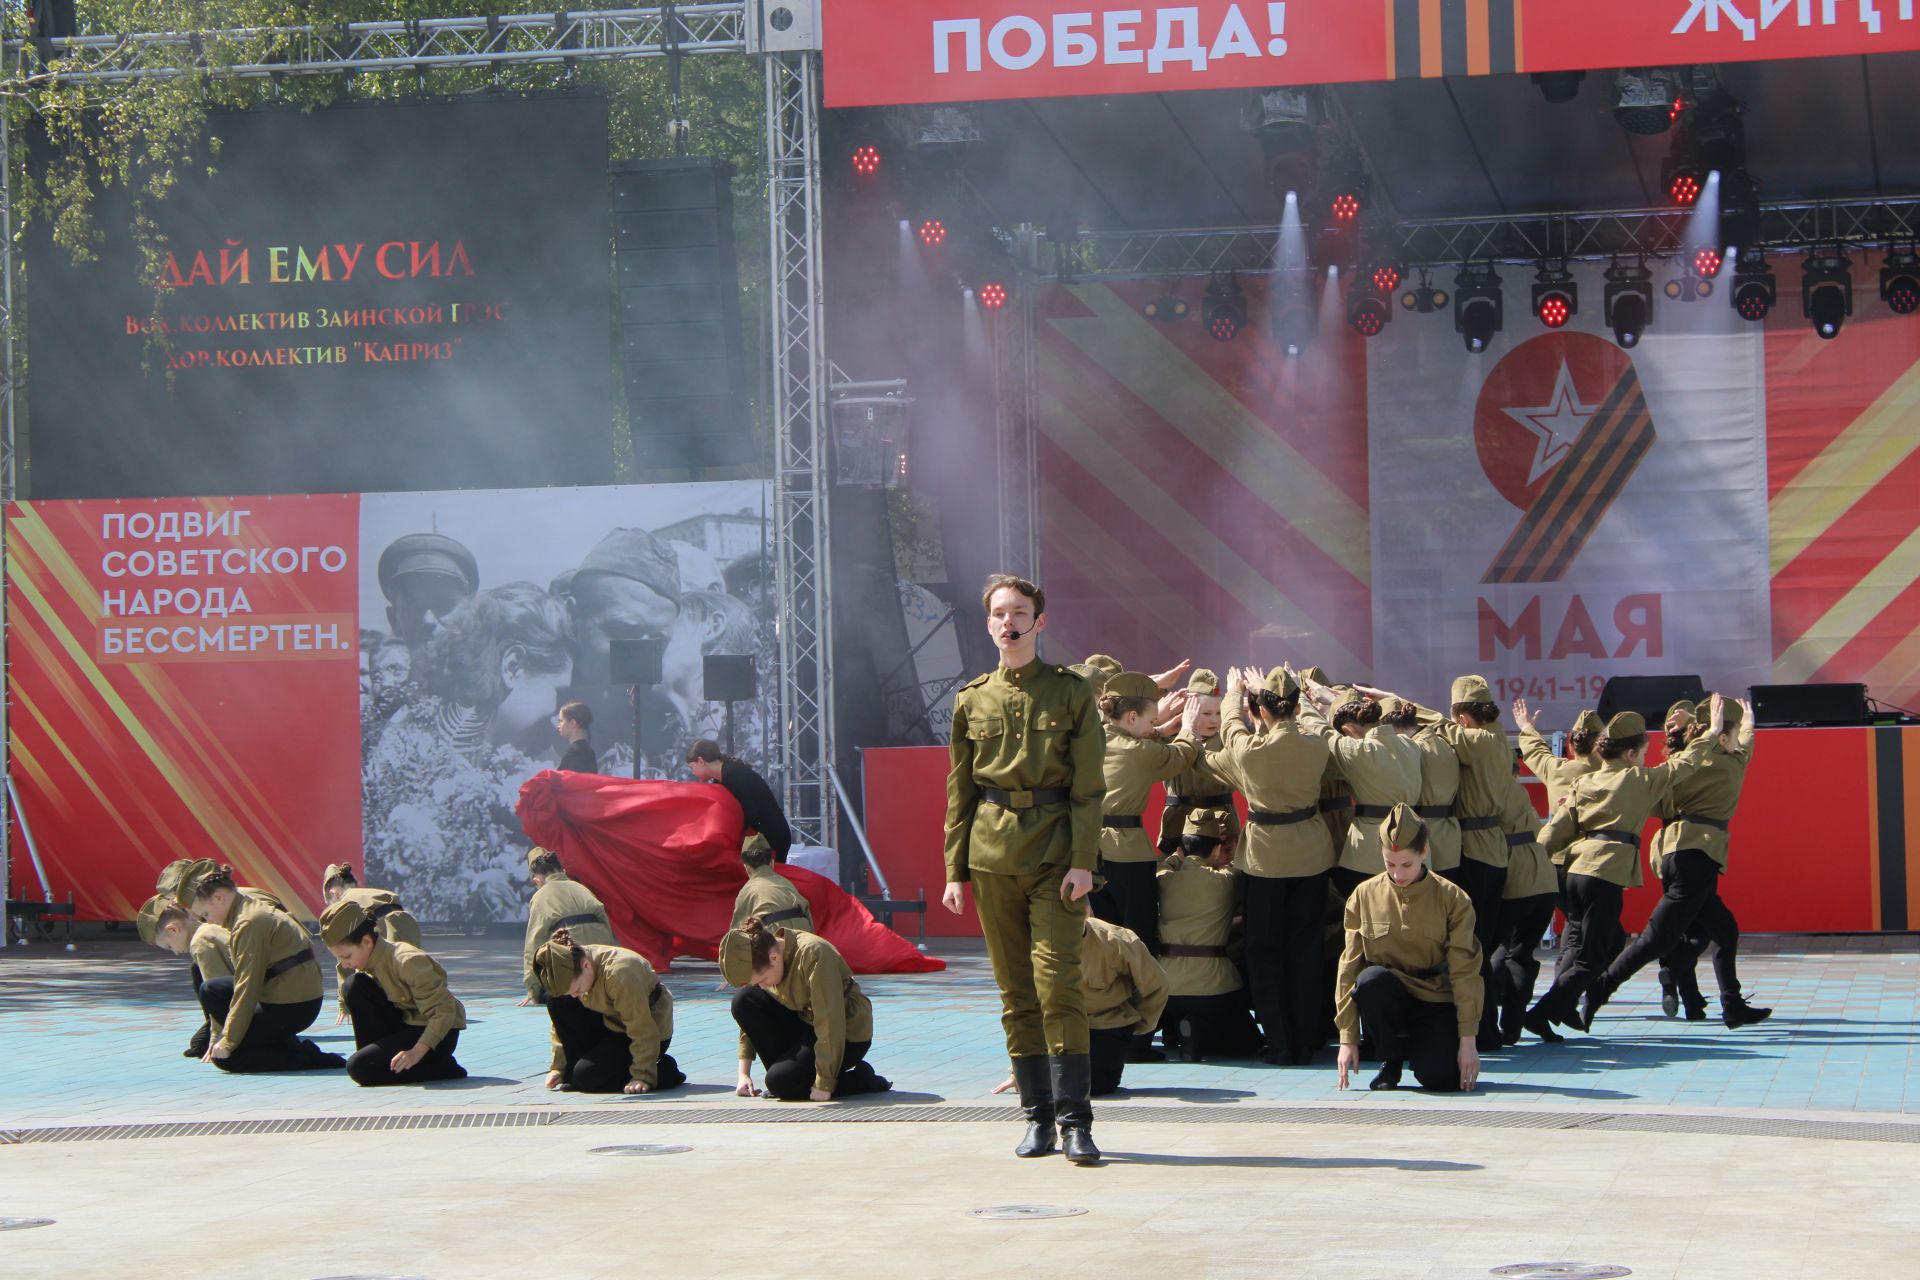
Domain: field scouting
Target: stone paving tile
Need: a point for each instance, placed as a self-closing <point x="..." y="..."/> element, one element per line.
<point x="95" y="1037"/>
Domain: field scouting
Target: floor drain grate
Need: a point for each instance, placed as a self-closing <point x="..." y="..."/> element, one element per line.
<point x="1026" y="1212"/>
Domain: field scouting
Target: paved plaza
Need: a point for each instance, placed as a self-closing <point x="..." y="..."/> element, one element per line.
<point x="1672" y="1149"/>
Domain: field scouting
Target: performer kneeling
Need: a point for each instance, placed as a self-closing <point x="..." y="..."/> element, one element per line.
<point x="1126" y="994"/>
<point x="801" y="1013"/>
<point x="164" y="923"/>
<point x="274" y="993"/>
<point x="1409" y="975"/>
<point x="405" y="1020"/>
<point x="612" y="1036"/>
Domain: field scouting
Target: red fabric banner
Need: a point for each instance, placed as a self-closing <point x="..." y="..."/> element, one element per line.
<point x="665" y="859"/>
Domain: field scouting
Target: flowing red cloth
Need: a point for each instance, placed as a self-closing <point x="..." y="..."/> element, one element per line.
<point x="665" y="859"/>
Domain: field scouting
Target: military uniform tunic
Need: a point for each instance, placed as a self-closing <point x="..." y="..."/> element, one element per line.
<point x="416" y="986"/>
<point x="1599" y="826"/>
<point x="1557" y="773"/>
<point x="1439" y="790"/>
<point x="1197" y="906"/>
<point x="1423" y="932"/>
<point x="1199" y="786"/>
<point x="1486" y="765"/>
<point x="1126" y="987"/>
<point x="772" y="897"/>
<point x="623" y="994"/>
<point x="561" y="901"/>
<point x="1707" y="779"/>
<point x="818" y="985"/>
<point x="1382" y="769"/>
<point x="1131" y="767"/>
<point x="259" y="938"/>
<point x="1279" y="772"/>
<point x="212" y="957"/>
<point x="1529" y="870"/>
<point x="396" y="925"/>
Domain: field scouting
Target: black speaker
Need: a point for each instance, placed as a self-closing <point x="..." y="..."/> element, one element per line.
<point x="1810" y="704"/>
<point x="636" y="661"/>
<point x="729" y="677"/>
<point x="680" y="340"/>
<point x="1649" y="695"/>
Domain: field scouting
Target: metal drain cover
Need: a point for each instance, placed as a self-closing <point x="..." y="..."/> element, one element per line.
<point x="639" y="1149"/>
<point x="21" y="1224"/>
<point x="1026" y="1212"/>
<point x="1562" y="1271"/>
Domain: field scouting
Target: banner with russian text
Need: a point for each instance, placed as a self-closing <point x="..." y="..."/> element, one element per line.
<point x="883" y="52"/>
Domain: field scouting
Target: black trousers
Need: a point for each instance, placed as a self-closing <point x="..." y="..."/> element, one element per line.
<point x="1286" y="921"/>
<point x="1223" y="1026"/>
<point x="1523" y="922"/>
<point x="783" y="1041"/>
<point x="1592" y="939"/>
<point x="1483" y="883"/>
<point x="1131" y="899"/>
<point x="1689" y="879"/>
<point x="272" y="1042"/>
<point x="1404" y="1028"/>
<point x="1346" y="880"/>
<point x="1714" y="924"/>
<point x="1108" y="1050"/>
<point x="380" y="1031"/>
<point x="599" y="1059"/>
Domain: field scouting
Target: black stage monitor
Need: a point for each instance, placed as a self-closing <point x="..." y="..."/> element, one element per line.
<point x="635" y="661"/>
<point x="728" y="677"/>
<point x="1810" y="704"/>
<point x="1649" y="695"/>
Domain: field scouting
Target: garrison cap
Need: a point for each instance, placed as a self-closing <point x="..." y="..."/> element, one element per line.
<point x="1208" y="822"/>
<point x="553" y="965"/>
<point x="1730" y="710"/>
<point x="197" y="874"/>
<point x="338" y="921"/>
<point x="1316" y="674"/>
<point x="1402" y="827"/>
<point x="1282" y="682"/>
<point x="336" y="871"/>
<point x="1203" y="681"/>
<point x="427" y="553"/>
<point x="638" y="556"/>
<point x="1132" y="684"/>
<point x="1685" y="708"/>
<point x="756" y="843"/>
<point x="736" y="958"/>
<point x="1390" y="707"/>
<point x="1107" y="665"/>
<point x="1092" y="675"/>
<point x="172" y="878"/>
<point x="147" y="922"/>
<point x="536" y="854"/>
<point x="1472" y="689"/>
<point x="1627" y="724"/>
<point x="1587" y="722"/>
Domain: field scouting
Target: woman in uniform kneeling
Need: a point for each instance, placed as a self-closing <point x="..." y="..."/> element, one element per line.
<point x="612" y="1036"/>
<point x="405" y="1020"/>
<point x="1409" y="975"/>
<point x="800" y="1012"/>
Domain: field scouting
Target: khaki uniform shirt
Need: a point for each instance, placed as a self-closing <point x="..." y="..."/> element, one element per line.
<point x="1614" y="797"/>
<point x="1486" y="766"/>
<point x="397" y="925"/>
<point x="1383" y="769"/>
<point x="1558" y="773"/>
<point x="1125" y="985"/>
<point x="622" y="993"/>
<point x="1706" y="784"/>
<point x="557" y="900"/>
<point x="819" y="987"/>
<point x="767" y="891"/>
<point x="1424" y="933"/>
<point x="1439" y="788"/>
<point x="258" y="938"/>
<point x="1197" y="906"/>
<point x="1131" y="768"/>
<point x="417" y="986"/>
<point x="1021" y="731"/>
<point x="209" y="949"/>
<point x="1278" y="771"/>
<point x="1201" y="781"/>
<point x="1529" y="870"/>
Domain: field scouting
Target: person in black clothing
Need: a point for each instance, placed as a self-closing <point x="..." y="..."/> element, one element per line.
<point x="575" y="722"/>
<point x="757" y="801"/>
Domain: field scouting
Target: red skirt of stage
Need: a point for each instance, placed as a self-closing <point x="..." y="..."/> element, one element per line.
<point x="665" y="859"/>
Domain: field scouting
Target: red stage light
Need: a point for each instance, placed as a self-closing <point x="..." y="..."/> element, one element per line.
<point x="1554" y="311"/>
<point x="1706" y="262"/>
<point x="992" y="296"/>
<point x="933" y="233"/>
<point x="866" y="161"/>
<point x="1346" y="207"/>
<point x="1368" y="323"/>
<point x="1684" y="190"/>
<point x="1386" y="279"/>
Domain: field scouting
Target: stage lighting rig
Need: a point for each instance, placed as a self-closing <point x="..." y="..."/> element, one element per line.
<point x="1646" y="100"/>
<point x="1556" y="295"/>
<point x="1424" y="299"/>
<point x="932" y="232"/>
<point x="1559" y="86"/>
<point x="1166" y="309"/>
<point x="866" y="161"/>
<point x="1900" y="280"/>
<point x="1689" y="286"/>
<point x="1629" y="302"/>
<point x="1826" y="290"/>
<point x="1225" y="307"/>
<point x="1479" y="306"/>
<point x="1368" y="308"/>
<point x="1754" y="288"/>
<point x="992" y="295"/>
<point x="1387" y="277"/>
<point x="1294" y="328"/>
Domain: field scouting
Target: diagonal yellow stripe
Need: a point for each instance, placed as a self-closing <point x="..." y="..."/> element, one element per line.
<point x="1840" y="624"/>
<point x="1159" y="609"/>
<point x="1137" y="354"/>
<point x="1143" y="495"/>
<point x="1858" y="458"/>
<point x="1896" y="673"/>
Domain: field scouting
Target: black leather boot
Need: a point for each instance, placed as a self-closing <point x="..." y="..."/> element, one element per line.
<point x="1388" y="1077"/>
<point x="1031" y="1077"/>
<point x="1737" y="1013"/>
<point x="197" y="1046"/>
<point x="1669" y="994"/>
<point x="1072" y="1084"/>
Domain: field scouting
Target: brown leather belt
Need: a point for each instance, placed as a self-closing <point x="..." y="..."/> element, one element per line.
<point x="1196" y="953"/>
<point x="1026" y="799"/>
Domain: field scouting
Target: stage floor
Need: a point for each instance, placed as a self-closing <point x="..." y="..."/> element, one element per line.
<point x="1671" y="1148"/>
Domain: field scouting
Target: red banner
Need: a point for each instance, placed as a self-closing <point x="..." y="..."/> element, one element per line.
<point x="183" y="678"/>
<point x="882" y="52"/>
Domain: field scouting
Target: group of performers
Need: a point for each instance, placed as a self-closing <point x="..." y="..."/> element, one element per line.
<point x="1389" y="887"/>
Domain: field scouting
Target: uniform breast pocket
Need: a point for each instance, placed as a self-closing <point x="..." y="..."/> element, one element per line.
<point x="1375" y="928"/>
<point x="1049" y="722"/>
<point x="982" y="728"/>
